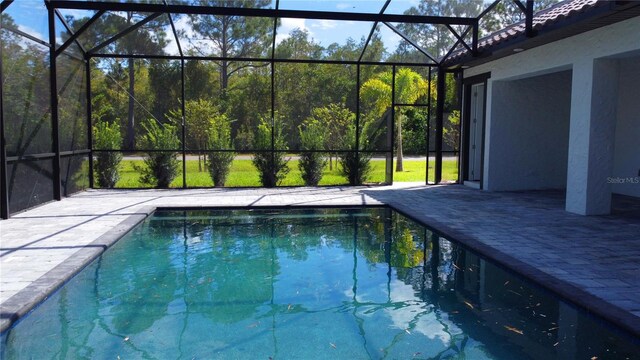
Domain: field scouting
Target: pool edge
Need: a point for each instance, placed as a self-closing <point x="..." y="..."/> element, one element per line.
<point x="20" y="304"/>
<point x="17" y="306"/>
<point x="590" y="303"/>
<point x="14" y="308"/>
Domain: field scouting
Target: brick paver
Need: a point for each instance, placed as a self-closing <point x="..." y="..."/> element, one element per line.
<point x="595" y="261"/>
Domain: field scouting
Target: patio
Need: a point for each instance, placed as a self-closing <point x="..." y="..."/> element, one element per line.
<point x="594" y="261"/>
<point x="539" y="99"/>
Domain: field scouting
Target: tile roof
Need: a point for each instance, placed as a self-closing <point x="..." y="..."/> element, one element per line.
<point x="560" y="12"/>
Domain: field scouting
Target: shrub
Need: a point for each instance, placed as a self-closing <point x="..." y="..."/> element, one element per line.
<point x="334" y="118"/>
<point x="311" y="164"/>
<point x="451" y="131"/>
<point x="244" y="138"/>
<point x="272" y="166"/>
<point x="219" y="137"/>
<point x="161" y="166"/>
<point x="107" y="137"/>
<point x="414" y="141"/>
<point x="198" y="117"/>
<point x="356" y="167"/>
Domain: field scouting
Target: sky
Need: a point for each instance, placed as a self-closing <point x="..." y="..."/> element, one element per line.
<point x="31" y="16"/>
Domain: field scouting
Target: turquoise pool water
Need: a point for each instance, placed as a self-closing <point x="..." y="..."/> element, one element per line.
<point x="302" y="284"/>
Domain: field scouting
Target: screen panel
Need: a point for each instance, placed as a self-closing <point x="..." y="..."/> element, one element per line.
<point x="74" y="174"/>
<point x="72" y="102"/>
<point x="26" y="99"/>
<point x="29" y="183"/>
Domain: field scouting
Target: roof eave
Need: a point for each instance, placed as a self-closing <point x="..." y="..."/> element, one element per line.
<point x="596" y="17"/>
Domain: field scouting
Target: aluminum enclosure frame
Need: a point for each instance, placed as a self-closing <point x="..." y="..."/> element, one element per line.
<point x="156" y="9"/>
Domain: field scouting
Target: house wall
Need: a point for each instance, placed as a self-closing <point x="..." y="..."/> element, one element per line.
<point x="531" y="131"/>
<point x="594" y="58"/>
<point x="606" y="41"/>
<point x="626" y="165"/>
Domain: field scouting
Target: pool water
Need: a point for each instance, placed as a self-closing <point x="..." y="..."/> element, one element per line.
<point x="351" y="283"/>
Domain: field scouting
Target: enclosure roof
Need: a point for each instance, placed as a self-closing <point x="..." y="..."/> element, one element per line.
<point x="375" y="14"/>
<point x="177" y="8"/>
<point x="564" y="19"/>
<point x="400" y="27"/>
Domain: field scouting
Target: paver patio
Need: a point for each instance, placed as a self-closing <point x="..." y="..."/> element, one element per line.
<point x="595" y="261"/>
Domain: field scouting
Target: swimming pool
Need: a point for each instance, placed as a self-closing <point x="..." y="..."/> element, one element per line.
<point x="352" y="283"/>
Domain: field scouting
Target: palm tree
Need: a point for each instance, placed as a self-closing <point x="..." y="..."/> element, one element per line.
<point x="409" y="87"/>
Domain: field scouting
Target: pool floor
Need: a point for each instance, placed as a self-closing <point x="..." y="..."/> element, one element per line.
<point x="352" y="283"/>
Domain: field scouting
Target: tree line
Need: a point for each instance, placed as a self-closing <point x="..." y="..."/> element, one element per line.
<point x="241" y="90"/>
<point x="132" y="92"/>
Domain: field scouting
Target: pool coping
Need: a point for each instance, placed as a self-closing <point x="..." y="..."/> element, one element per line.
<point x="17" y="306"/>
<point x="20" y="304"/>
<point x="593" y="305"/>
<point x="27" y="299"/>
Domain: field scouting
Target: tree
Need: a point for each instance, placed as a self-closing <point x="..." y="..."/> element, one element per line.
<point x="355" y="165"/>
<point x="302" y="88"/>
<point x="298" y="45"/>
<point x="437" y="39"/>
<point x="200" y="116"/>
<point x="161" y="166"/>
<point x="451" y="131"/>
<point x="201" y="80"/>
<point x="507" y="13"/>
<point x="107" y="137"/>
<point x="164" y="84"/>
<point x="335" y="119"/>
<point x="25" y="107"/>
<point x="149" y="38"/>
<point x="26" y="98"/>
<point x="311" y="163"/>
<point x="219" y="138"/>
<point x="272" y="166"/>
<point x="414" y="129"/>
<point x="208" y="129"/>
<point x="233" y="36"/>
<point x="409" y="87"/>
<point x="248" y="96"/>
<point x="296" y="90"/>
<point x="110" y="96"/>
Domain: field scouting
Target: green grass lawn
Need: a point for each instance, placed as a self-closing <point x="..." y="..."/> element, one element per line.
<point x="243" y="173"/>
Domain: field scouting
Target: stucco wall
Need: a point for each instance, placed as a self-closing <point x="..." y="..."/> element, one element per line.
<point x="530" y="132"/>
<point x="594" y="58"/>
<point x="606" y="41"/>
<point x="627" y="143"/>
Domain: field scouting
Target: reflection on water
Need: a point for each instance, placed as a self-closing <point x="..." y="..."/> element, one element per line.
<point x="306" y="283"/>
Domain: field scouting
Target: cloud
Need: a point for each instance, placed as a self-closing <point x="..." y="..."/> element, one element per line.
<point x="185" y="34"/>
<point x="33" y="32"/>
<point x="24" y="42"/>
<point x="172" y="47"/>
<point x="343" y="6"/>
<point x="287" y="25"/>
<point x="323" y="24"/>
<point x="391" y="41"/>
<point x="182" y="25"/>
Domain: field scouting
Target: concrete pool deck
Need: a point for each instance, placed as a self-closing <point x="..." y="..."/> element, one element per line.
<point x="593" y="261"/>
